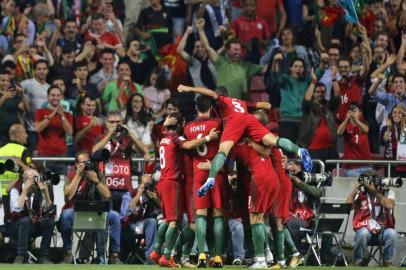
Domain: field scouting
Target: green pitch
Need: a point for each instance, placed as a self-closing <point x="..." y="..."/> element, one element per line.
<point x="137" y="266"/>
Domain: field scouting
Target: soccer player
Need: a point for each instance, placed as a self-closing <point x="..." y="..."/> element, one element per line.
<point x="170" y="187"/>
<point x="279" y="212"/>
<point x="237" y="121"/>
<point x="200" y="128"/>
<point x="263" y="191"/>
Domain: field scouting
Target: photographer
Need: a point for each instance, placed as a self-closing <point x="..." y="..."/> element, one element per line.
<point x="373" y="203"/>
<point x="142" y="211"/>
<point x="32" y="214"/>
<point x="88" y="184"/>
<point x="301" y="209"/>
<point x="119" y="142"/>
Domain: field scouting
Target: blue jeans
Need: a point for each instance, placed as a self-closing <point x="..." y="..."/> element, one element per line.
<point x="356" y="171"/>
<point x="23" y="230"/>
<point x="237" y="238"/>
<point x="113" y="219"/>
<point x="387" y="238"/>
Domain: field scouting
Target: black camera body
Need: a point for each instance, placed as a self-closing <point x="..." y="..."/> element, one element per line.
<point x="383" y="182"/>
<point x="90" y="165"/>
<point x="121" y="129"/>
<point x="48" y="177"/>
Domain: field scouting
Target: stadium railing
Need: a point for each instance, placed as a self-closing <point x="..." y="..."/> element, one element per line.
<point x="388" y="163"/>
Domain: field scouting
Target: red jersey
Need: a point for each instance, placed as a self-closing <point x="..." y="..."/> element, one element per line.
<point x="170" y="157"/>
<point x="229" y="107"/>
<point x="52" y="140"/>
<point x="349" y="92"/>
<point x="257" y="165"/>
<point x="247" y="29"/>
<point x="87" y="142"/>
<point x="356" y="145"/>
<point x="199" y="128"/>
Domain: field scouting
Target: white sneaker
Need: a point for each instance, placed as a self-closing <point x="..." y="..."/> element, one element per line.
<point x="268" y="256"/>
<point x="259" y="265"/>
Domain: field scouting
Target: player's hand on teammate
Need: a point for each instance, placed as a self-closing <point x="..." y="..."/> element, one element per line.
<point x="214" y="134"/>
<point x="204" y="165"/>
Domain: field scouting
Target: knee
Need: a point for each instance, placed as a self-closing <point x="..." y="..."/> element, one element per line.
<point x="150" y="222"/>
<point x="362" y="234"/>
<point x="390" y="235"/>
<point x="114" y="217"/>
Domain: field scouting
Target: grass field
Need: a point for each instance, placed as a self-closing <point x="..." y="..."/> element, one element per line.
<point x="136" y="266"/>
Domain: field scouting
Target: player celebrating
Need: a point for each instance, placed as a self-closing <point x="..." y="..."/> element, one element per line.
<point x="170" y="186"/>
<point x="238" y="121"/>
<point x="200" y="128"/>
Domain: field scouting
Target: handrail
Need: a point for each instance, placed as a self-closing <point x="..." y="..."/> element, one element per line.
<point x="389" y="163"/>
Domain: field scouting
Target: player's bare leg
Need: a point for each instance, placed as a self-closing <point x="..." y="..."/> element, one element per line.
<point x="216" y="165"/>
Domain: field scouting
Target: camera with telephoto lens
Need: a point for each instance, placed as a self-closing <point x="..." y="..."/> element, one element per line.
<point x="48" y="177"/>
<point x="121" y="129"/>
<point x="315" y="178"/>
<point x="383" y="182"/>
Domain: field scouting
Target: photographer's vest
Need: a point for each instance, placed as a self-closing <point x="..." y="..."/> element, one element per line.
<point x="364" y="208"/>
<point x="299" y="207"/>
<point x="117" y="169"/>
<point x="9" y="150"/>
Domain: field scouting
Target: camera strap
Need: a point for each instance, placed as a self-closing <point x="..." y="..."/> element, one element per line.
<point x="371" y="206"/>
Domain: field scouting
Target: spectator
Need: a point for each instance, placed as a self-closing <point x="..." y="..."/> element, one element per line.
<point x="32" y="214"/>
<point x="356" y="145"/>
<point x="232" y="72"/>
<point x="138" y="119"/>
<point x="155" y="92"/>
<point x="52" y="125"/>
<point x="273" y="11"/>
<point x="107" y="73"/>
<point x="12" y="105"/>
<point x="116" y="94"/>
<point x="293" y="87"/>
<point x="159" y="130"/>
<point x="177" y="9"/>
<point x="36" y="91"/>
<point x="140" y="67"/>
<point x="248" y="26"/>
<point x="113" y="24"/>
<point x="88" y="54"/>
<point x="214" y="14"/>
<point x="87" y="124"/>
<point x="154" y="25"/>
<point x="318" y="131"/>
<point x="331" y="61"/>
<point x="132" y="12"/>
<point x="65" y="67"/>
<point x="17" y="22"/>
<point x="393" y="138"/>
<point x="79" y="187"/>
<point x="373" y="218"/>
<point x="350" y="85"/>
<point x="70" y="37"/>
<point x="201" y="69"/>
<point x="98" y="32"/>
<point x="119" y="142"/>
<point x="80" y="84"/>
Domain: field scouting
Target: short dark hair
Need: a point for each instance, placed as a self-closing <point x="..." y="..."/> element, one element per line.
<point x="53" y="87"/>
<point x="203" y="103"/>
<point x="68" y="21"/>
<point x="97" y="16"/>
<point x="4" y="71"/>
<point x="320" y="84"/>
<point x="399" y="75"/>
<point x="222" y="91"/>
<point x="296" y="59"/>
<point x="82" y="152"/>
<point x="40" y="61"/>
<point x="344" y="59"/>
<point x="9" y="64"/>
<point x="172" y="101"/>
<point x="107" y="50"/>
<point x="334" y="46"/>
<point x="80" y="64"/>
<point x="68" y="49"/>
<point x="56" y="78"/>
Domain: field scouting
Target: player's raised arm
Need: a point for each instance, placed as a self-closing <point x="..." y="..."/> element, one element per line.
<point x="200" y="90"/>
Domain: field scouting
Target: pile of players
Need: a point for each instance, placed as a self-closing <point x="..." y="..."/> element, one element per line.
<point x="198" y="159"/>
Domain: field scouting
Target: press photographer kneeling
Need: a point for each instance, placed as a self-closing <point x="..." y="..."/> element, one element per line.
<point x="88" y="184"/>
<point x="373" y="222"/>
<point x="32" y="214"/>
